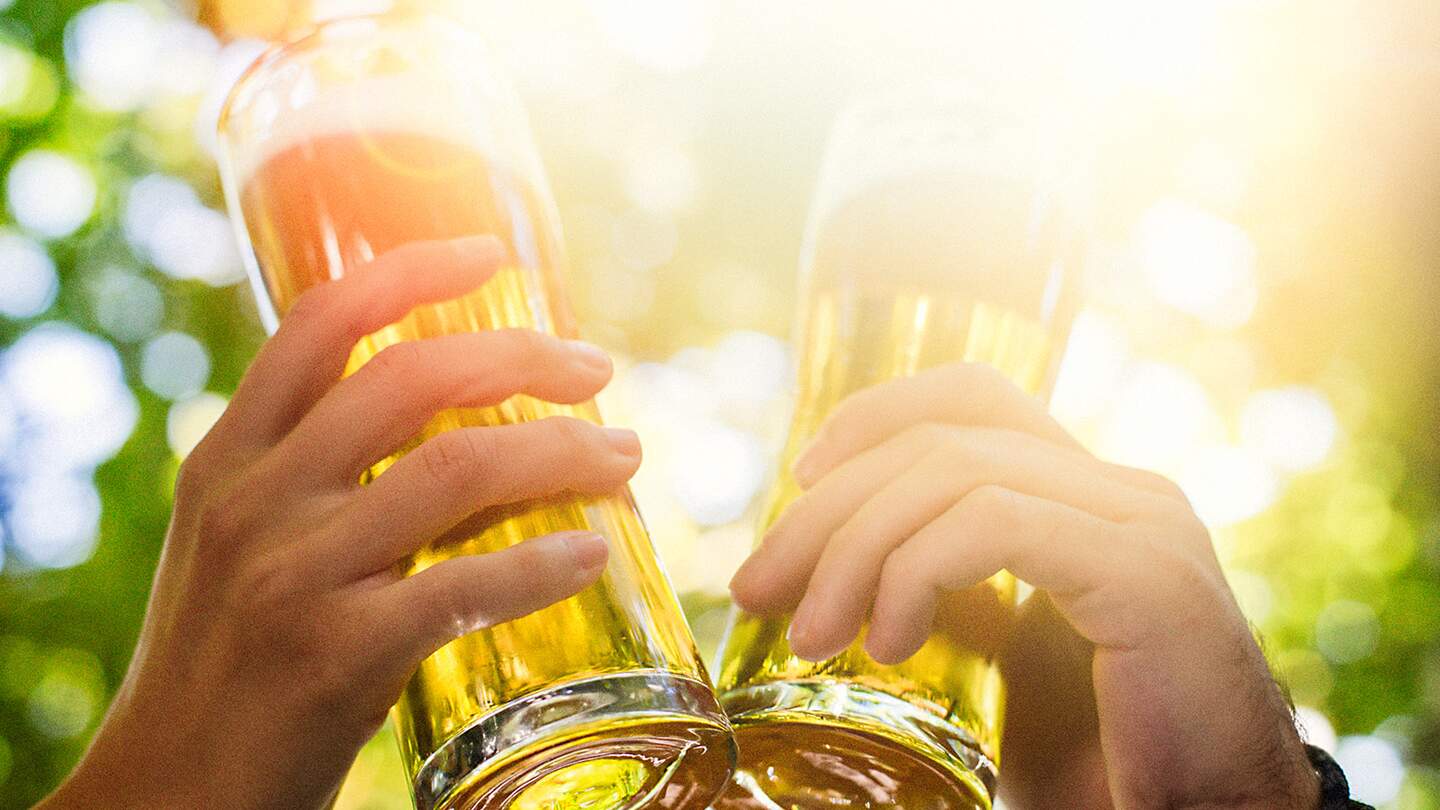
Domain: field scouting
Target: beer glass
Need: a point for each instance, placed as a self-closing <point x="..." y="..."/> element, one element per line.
<point x="373" y="132"/>
<point x="942" y="231"/>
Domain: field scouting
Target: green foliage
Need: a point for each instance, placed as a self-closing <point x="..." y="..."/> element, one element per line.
<point x="1349" y="559"/>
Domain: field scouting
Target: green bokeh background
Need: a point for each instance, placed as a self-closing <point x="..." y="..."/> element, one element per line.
<point x="1350" y="549"/>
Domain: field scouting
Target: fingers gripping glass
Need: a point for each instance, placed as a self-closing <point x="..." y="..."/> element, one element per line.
<point x="373" y="133"/>
<point x="939" y="234"/>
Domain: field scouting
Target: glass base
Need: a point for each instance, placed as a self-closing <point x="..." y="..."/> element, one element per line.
<point x="825" y="744"/>
<point x="615" y="742"/>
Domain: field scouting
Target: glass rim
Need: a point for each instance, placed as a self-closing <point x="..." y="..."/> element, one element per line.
<point x="312" y="35"/>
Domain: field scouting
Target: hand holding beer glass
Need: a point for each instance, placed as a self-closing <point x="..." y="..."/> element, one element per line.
<point x="941" y="233"/>
<point x="366" y="136"/>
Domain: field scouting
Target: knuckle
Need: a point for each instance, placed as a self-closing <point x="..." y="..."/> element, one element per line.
<point x="190" y="478"/>
<point x="852" y="538"/>
<point x="452" y="458"/>
<point x="991" y="500"/>
<point x="222" y="523"/>
<point x="576" y="434"/>
<point x="397" y="360"/>
<point x="845" y="424"/>
<point x="903" y="569"/>
<point x="1158" y="483"/>
<point x="452" y="603"/>
<point x="927" y="436"/>
<point x="1165" y="485"/>
<point x="1192" y="572"/>
<point x="1173" y="568"/>
<point x="983" y="375"/>
<point x="958" y="446"/>
<point x="531" y="557"/>
<point x="527" y="346"/>
<point x="313" y="304"/>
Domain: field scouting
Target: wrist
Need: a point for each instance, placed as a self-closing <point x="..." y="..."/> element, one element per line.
<point x="122" y="770"/>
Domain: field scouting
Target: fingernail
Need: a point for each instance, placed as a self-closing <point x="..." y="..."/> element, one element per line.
<point x="875" y="647"/>
<point x="623" y="441"/>
<point x="740" y="582"/>
<point x="587" y="548"/>
<point x="590" y="354"/>
<point x="799" y="631"/>
<point x="481" y="246"/>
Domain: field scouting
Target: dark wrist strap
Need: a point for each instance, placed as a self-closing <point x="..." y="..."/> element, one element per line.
<point x="1334" y="788"/>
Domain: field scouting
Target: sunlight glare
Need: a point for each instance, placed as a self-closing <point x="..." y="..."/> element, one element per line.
<point x="1295" y="428"/>
<point x="1198" y="263"/>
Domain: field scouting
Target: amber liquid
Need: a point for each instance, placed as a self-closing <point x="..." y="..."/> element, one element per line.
<point x="322" y="208"/>
<point x="897" y="285"/>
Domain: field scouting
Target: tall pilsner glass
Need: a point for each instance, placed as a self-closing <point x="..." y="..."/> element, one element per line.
<point x="940" y="233"/>
<point x="365" y="135"/>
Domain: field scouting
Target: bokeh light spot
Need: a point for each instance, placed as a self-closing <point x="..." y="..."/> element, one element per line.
<point x="197" y="242"/>
<point x="1293" y="428"/>
<point x="127" y="306"/>
<point x="28" y="282"/>
<point x="191" y="419"/>
<point x="110" y="49"/>
<point x="1157" y="418"/>
<point x="54" y="519"/>
<point x="28" y="84"/>
<point x="187" y="58"/>
<point x="1227" y="485"/>
<point x="1198" y="263"/>
<point x="232" y="61"/>
<point x="9" y="423"/>
<point x="50" y="194"/>
<point x="1093" y="366"/>
<point x="69" y="695"/>
<point x="749" y="370"/>
<point x="147" y="202"/>
<point x="723" y="471"/>
<point x="1253" y="592"/>
<point x="1315" y="728"/>
<point x="1373" y="767"/>
<point x="70" y="390"/>
<point x="175" y="366"/>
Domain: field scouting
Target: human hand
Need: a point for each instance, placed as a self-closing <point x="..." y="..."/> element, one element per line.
<point x="926" y="486"/>
<point x="279" y="631"/>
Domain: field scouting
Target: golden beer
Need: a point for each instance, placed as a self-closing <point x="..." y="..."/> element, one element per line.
<point x="372" y="133"/>
<point x="926" y="248"/>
